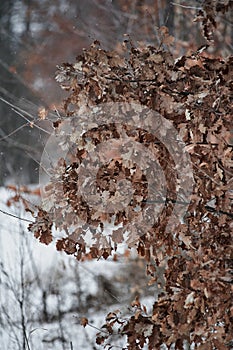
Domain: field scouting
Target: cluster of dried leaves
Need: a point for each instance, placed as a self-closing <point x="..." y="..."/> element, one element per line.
<point x="195" y="93"/>
<point x="207" y="15"/>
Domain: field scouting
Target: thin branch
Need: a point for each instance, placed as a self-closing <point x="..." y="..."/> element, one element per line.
<point x="131" y="80"/>
<point x="38" y="163"/>
<point x="15" y="216"/>
<point x="213" y="210"/>
<point x="186" y="7"/>
<point x="204" y="173"/>
<point x="11" y="325"/>
<point x="222" y="167"/>
<point x="25" y="105"/>
<point x="19" y="111"/>
<point x="98" y="329"/>
<point x="14" y="131"/>
<point x="174" y="201"/>
<point x="12" y="143"/>
<point x="33" y="124"/>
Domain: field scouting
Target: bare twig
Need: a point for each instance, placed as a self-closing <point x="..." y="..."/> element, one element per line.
<point x="20" y="112"/>
<point x="186" y="7"/>
<point x="14" y="131"/>
<point x="12" y="143"/>
<point x="15" y="216"/>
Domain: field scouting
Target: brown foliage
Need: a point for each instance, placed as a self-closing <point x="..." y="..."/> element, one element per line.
<point x="194" y="92"/>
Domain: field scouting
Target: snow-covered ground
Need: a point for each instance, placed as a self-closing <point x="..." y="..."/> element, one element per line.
<point x="45" y="293"/>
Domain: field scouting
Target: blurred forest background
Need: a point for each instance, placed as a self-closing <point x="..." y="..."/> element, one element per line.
<point x="38" y="35"/>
